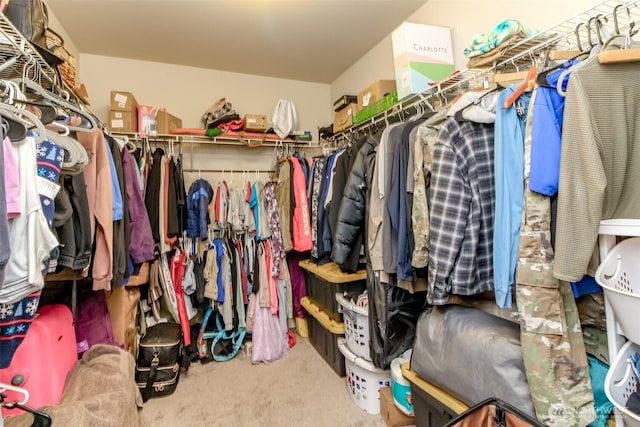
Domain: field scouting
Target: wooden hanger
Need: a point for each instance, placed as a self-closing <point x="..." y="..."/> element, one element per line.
<point x="527" y="84"/>
<point x="624" y="54"/>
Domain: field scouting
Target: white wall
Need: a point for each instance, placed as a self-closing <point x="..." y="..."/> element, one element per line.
<point x="187" y="92"/>
<point x="466" y="18"/>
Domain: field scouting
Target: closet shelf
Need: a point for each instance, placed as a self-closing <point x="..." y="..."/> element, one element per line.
<point x="20" y="59"/>
<point x="566" y="35"/>
<point x="220" y="140"/>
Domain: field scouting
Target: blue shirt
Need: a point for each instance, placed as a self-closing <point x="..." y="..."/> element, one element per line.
<point x="509" y="188"/>
<point x="118" y="213"/>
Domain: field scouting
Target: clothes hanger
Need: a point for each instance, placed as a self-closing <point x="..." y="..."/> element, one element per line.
<point x="88" y="120"/>
<point x="12" y="95"/>
<point x="527" y="84"/>
<point x="623" y="53"/>
<point x="40" y="419"/>
<point x="459" y="115"/>
<point x="17" y="114"/>
<point x="541" y="79"/>
<point x="14" y="129"/>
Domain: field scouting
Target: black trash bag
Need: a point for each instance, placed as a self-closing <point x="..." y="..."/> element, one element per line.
<point x="393" y="314"/>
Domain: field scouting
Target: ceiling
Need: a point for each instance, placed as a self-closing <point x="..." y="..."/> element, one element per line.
<point x="308" y="40"/>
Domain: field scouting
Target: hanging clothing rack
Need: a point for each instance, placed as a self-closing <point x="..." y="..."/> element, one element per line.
<point x="565" y="35"/>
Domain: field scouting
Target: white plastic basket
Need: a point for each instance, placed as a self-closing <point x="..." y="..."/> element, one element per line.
<point x="364" y="380"/>
<point x="621" y="382"/>
<point x="619" y="276"/>
<point x="356" y="327"/>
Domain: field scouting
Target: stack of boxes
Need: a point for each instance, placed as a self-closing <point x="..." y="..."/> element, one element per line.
<point x="123" y="116"/>
<point x="126" y="115"/>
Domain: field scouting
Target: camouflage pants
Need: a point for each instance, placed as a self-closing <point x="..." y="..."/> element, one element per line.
<point x="553" y="349"/>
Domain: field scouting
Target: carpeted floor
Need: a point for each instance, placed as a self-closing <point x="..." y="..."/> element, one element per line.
<point x="300" y="390"/>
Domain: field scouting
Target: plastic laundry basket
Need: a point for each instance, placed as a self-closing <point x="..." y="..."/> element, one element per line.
<point x="356" y="327"/>
<point x="619" y="275"/>
<point x="364" y="380"/>
<point x="621" y="382"/>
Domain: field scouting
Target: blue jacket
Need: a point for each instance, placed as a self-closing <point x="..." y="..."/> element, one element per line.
<point x="198" y="199"/>
<point x="546" y="135"/>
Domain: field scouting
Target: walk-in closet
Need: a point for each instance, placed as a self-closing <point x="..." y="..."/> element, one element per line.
<point x="313" y="213"/>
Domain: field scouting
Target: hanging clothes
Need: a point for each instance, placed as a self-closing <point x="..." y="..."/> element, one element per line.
<point x="351" y="220"/>
<point x="553" y="348"/>
<point x="301" y="216"/>
<point x="509" y="187"/>
<point x="461" y="222"/>
<point x="97" y="177"/>
<point x="600" y="162"/>
<point x="141" y="246"/>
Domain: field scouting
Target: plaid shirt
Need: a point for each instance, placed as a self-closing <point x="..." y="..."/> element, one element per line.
<point x="462" y="210"/>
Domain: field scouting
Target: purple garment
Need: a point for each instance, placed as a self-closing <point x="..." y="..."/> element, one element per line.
<point x="269" y="343"/>
<point x="141" y="246"/>
<point x="277" y="247"/>
<point x="298" y="282"/>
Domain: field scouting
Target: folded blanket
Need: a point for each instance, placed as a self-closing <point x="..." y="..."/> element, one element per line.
<point x="100" y="391"/>
<point x="482" y="43"/>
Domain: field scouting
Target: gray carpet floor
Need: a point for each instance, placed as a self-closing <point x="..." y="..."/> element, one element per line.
<point x="300" y="390"/>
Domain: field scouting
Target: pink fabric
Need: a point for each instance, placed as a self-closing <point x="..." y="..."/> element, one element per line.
<point x="97" y="176"/>
<point x="273" y="287"/>
<point x="301" y="219"/>
<point x="11" y="179"/>
<point x="178" y="264"/>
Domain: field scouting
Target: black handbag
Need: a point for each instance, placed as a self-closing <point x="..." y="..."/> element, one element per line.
<point x="30" y="18"/>
<point x="159" y="360"/>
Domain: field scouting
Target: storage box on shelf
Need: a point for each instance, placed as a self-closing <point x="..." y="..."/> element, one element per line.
<point x="356" y="327"/>
<point x="323" y="335"/>
<point x="432" y="406"/>
<point x="343" y="119"/>
<point x="375" y="92"/>
<point x="324" y="281"/>
<point x="375" y="108"/>
<point x="421" y="54"/>
<point x="621" y="382"/>
<point x="364" y="380"/>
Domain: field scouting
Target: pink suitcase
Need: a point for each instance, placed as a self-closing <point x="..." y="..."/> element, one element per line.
<point x="44" y="358"/>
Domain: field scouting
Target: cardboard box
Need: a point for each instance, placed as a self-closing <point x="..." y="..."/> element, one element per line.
<point x="123" y="121"/>
<point x="343" y="119"/>
<point x="375" y="92"/>
<point x="391" y="415"/>
<point x="123" y="101"/>
<point x="421" y="54"/>
<point x="165" y="122"/>
<point x="255" y="123"/>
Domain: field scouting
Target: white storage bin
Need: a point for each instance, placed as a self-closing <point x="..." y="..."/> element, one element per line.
<point x="619" y="276"/>
<point x="621" y="382"/>
<point x="364" y="380"/>
<point x="356" y="327"/>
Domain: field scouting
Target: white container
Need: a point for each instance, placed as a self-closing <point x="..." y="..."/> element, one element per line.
<point x="619" y="276"/>
<point x="621" y="382"/>
<point x="364" y="380"/>
<point x="356" y="327"/>
<point x="400" y="387"/>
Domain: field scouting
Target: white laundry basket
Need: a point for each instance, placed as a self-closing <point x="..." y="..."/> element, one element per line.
<point x="364" y="380"/>
<point x="356" y="327"/>
<point x="619" y="276"/>
<point x="621" y="382"/>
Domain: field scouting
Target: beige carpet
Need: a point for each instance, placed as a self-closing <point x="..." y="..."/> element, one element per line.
<point x="300" y="390"/>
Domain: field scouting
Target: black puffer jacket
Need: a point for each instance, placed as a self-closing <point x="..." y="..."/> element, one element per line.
<point x="351" y="217"/>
